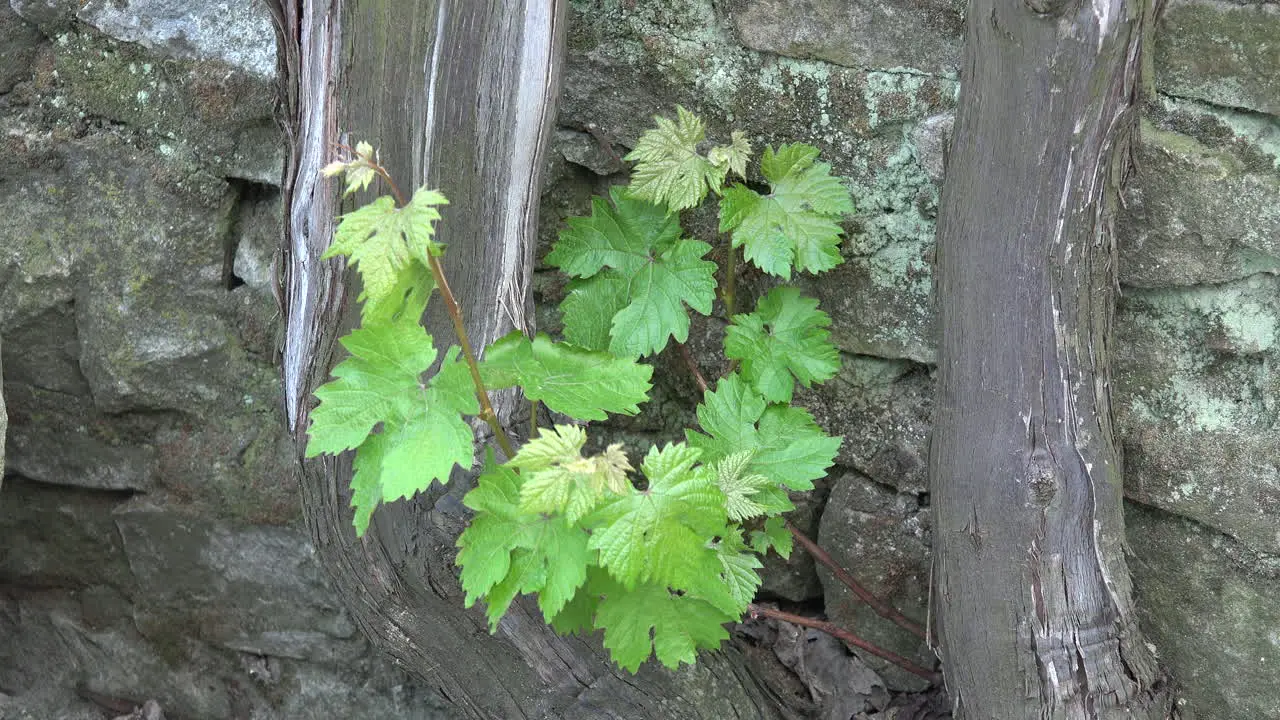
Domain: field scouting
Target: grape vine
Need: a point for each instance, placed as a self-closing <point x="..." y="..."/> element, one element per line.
<point x="661" y="558"/>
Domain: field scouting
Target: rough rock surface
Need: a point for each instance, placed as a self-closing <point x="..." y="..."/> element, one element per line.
<point x="149" y="545"/>
<point x="1224" y="53"/>
<point x="150" y="540"/>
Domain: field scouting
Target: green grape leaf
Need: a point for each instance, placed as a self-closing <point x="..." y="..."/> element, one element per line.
<point x="650" y="619"/>
<point x="748" y="494"/>
<point x="739" y="567"/>
<point x="589" y="308"/>
<point x="784" y="340"/>
<point x="580" y="383"/>
<point x="381" y="239"/>
<point x="506" y="551"/>
<point x="653" y="268"/>
<point x="788" y="446"/>
<point x="669" y="170"/>
<point x="775" y="534"/>
<point x="366" y="486"/>
<point x="578" y="615"/>
<point x="371" y="386"/>
<point x="797" y="223"/>
<point x="661" y="534"/>
<point x="408" y="296"/>
<point x="423" y="434"/>
<point x="559" y="480"/>
<point x="425" y="445"/>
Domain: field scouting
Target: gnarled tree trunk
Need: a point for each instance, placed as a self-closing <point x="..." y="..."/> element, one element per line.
<point x="458" y="95"/>
<point x="1032" y="593"/>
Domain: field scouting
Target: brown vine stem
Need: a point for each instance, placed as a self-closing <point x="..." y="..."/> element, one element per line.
<point x="459" y="329"/>
<point x="841" y="634"/>
<point x="730" y="292"/>
<point x="693" y="367"/>
<point x="882" y="608"/>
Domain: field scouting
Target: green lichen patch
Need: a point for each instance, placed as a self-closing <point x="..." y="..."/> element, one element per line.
<point x="219" y="115"/>
<point x="1194" y="399"/>
<point x="1196" y="214"/>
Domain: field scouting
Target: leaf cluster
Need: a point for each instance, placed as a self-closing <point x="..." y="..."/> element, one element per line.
<point x="661" y="558"/>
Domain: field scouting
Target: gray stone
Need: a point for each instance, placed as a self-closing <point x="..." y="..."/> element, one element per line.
<point x="60" y="644"/>
<point x="581" y="149"/>
<point x="18" y="42"/>
<point x="882" y="538"/>
<point x="1196" y="214"/>
<point x="1195" y="404"/>
<point x="881" y="409"/>
<point x="203" y="112"/>
<point x="257" y="241"/>
<point x="1222" y="53"/>
<point x="795" y="577"/>
<point x="61" y="440"/>
<point x="46" y="540"/>
<point x="1211" y="606"/>
<point x="45" y="353"/>
<point x="924" y="35"/>
<point x="932" y="137"/>
<point x="237" y="32"/>
<point x="4" y="419"/>
<point x="1253" y="138"/>
<point x="51" y="15"/>
<point x="255" y="589"/>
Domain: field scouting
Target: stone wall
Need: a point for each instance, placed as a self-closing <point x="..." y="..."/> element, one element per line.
<point x="150" y="538"/>
<point x="150" y="544"/>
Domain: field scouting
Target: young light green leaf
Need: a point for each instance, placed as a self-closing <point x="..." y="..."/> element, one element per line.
<point x="739" y="568"/>
<point x="651" y="619"/>
<point x="748" y="494"/>
<point x="734" y="155"/>
<point x="775" y="534"/>
<point x="360" y="170"/>
<point x="797" y="223"/>
<point x="580" y="383"/>
<point x="784" y="338"/>
<point x="381" y="239"/>
<point x="505" y="551"/>
<point x="659" y="272"/>
<point x="559" y="480"/>
<point x="670" y="171"/>
<point x="661" y="535"/>
<point x="560" y="445"/>
<point x="788" y="446"/>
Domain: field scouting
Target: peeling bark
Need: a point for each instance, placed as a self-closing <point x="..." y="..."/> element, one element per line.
<point x="458" y="95"/>
<point x="1035" y="614"/>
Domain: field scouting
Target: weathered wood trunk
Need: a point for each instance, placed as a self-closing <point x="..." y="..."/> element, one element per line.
<point x="458" y="95"/>
<point x="1032" y="595"/>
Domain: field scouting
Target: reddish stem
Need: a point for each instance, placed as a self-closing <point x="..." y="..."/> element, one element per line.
<point x="882" y="608"/>
<point x="693" y="367"/>
<point x="460" y="329"/>
<point x="841" y="634"/>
